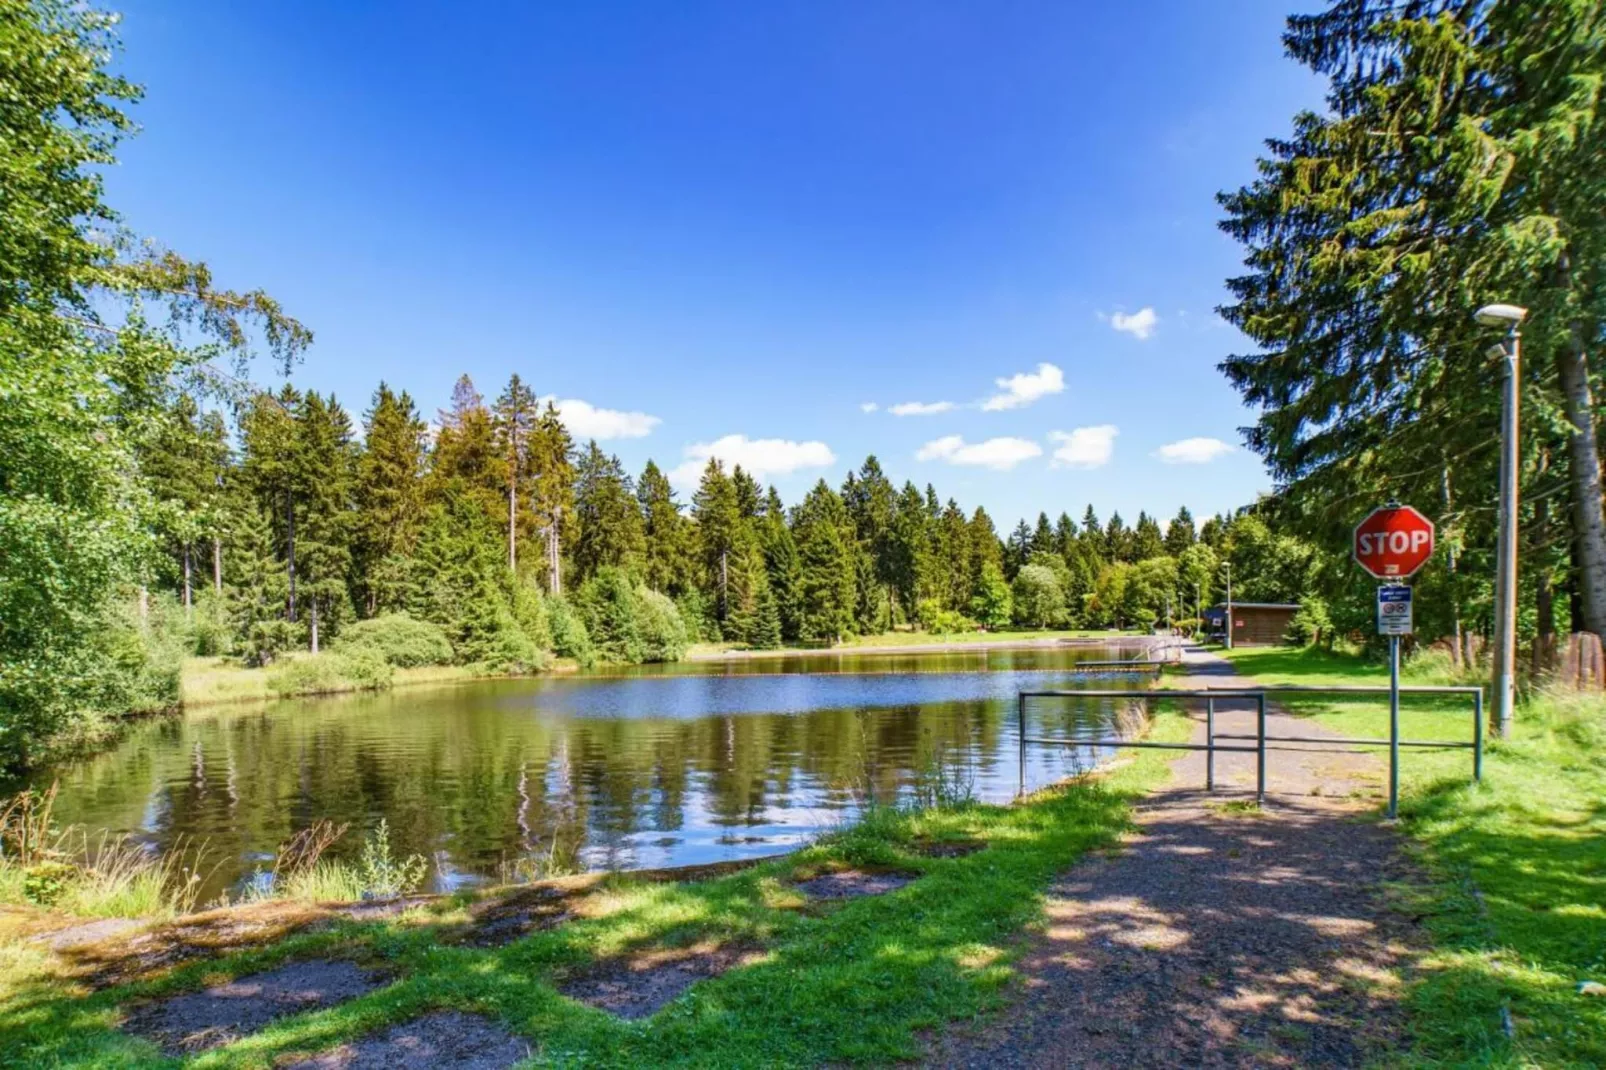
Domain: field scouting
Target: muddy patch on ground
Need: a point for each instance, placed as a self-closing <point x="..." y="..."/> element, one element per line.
<point x="500" y="921"/>
<point x="637" y="986"/>
<point x="446" y="1038"/>
<point x="197" y="1021"/>
<point x="370" y="910"/>
<point x="116" y="958"/>
<point x="854" y="884"/>
<point x="90" y="932"/>
<point x="948" y="848"/>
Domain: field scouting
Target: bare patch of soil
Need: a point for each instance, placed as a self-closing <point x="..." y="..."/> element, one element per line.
<point x="638" y="986"/>
<point x="854" y="884"/>
<point x="507" y="918"/>
<point x="380" y="909"/>
<point x="90" y="932"/>
<point x="116" y="957"/>
<point x="949" y="848"/>
<point x="446" y="1038"/>
<point x="197" y="1021"/>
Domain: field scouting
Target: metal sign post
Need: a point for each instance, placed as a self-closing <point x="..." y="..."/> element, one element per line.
<point x="1394" y="620"/>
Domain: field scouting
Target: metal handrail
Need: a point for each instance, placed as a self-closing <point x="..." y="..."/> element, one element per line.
<point x="1258" y="693"/>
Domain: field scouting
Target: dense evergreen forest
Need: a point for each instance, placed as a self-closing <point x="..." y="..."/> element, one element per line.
<point x="498" y="522"/>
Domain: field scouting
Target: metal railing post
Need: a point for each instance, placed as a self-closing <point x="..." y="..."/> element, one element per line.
<point x="1022" y="714"/>
<point x="1260" y="748"/>
<point x="1210" y="744"/>
<point x="1477" y="736"/>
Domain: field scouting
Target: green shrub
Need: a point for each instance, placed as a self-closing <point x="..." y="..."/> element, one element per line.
<point x="939" y="621"/>
<point x="211" y="630"/>
<point x="694" y="614"/>
<point x="606" y="602"/>
<point x="383" y="876"/>
<point x="1310" y="623"/>
<point x="358" y="668"/>
<point x="993" y="604"/>
<point x="663" y="632"/>
<point x="1039" y="600"/>
<point x="508" y="649"/>
<point x="570" y="638"/>
<point x="630" y="624"/>
<point x="530" y="611"/>
<point x="399" y="639"/>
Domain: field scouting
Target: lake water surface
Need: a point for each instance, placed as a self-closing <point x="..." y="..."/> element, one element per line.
<point x="657" y="766"/>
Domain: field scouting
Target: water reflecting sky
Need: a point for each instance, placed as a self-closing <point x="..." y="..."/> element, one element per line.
<point x="666" y="765"/>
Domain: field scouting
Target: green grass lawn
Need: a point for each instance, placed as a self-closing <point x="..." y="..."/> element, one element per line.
<point x="1515" y="893"/>
<point x="912" y="638"/>
<point x="207" y="681"/>
<point x="851" y="983"/>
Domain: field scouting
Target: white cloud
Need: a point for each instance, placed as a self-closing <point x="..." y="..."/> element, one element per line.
<point x="1085" y="447"/>
<point x="999" y="454"/>
<point x="760" y="458"/>
<point x="1139" y="324"/>
<point x="869" y="406"/>
<point x="921" y="408"/>
<point x="584" y="420"/>
<point x="1025" y="388"/>
<point x="1193" y="451"/>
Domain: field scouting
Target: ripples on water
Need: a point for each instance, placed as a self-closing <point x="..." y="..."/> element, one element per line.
<point x="666" y="765"/>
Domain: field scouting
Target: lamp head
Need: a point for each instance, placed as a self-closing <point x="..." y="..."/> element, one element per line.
<point x="1500" y="315"/>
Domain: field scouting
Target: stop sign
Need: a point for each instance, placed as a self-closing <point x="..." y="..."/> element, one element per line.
<point x="1393" y="542"/>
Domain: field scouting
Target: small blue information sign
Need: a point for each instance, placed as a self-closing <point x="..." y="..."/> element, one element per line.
<point x="1394" y="610"/>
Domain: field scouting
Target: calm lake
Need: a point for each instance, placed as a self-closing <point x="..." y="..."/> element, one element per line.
<point x="657" y="766"/>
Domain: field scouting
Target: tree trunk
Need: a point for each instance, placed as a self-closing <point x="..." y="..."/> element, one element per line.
<point x="554" y="554"/>
<point x="512" y="526"/>
<point x="189" y="602"/>
<point x="1449" y="560"/>
<point x="290" y="544"/>
<point x="312" y="617"/>
<point x="1583" y="455"/>
<point x="217" y="566"/>
<point x="1544" y="594"/>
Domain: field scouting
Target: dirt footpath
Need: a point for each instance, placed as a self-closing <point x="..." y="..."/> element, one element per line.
<point x="1219" y="935"/>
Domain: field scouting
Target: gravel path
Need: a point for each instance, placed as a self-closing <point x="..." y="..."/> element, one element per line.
<point x="1219" y="935"/>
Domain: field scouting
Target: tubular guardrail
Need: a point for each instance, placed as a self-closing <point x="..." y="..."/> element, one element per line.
<point x="1260" y="737"/>
<point x="1144" y="662"/>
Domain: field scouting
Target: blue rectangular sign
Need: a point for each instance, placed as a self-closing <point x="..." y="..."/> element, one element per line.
<point x="1394" y="610"/>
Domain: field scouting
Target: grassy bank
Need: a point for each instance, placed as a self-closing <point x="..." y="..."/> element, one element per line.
<point x="207" y="681"/>
<point x="902" y="641"/>
<point x="852" y="982"/>
<point x="1515" y="894"/>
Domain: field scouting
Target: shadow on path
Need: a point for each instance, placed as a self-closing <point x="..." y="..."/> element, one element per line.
<point x="1220" y="934"/>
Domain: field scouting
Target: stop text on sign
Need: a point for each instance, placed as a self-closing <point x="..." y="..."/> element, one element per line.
<point x="1370" y="544"/>
<point x="1393" y="542"/>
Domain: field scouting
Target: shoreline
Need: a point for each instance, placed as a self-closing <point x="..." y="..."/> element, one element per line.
<point x="962" y="647"/>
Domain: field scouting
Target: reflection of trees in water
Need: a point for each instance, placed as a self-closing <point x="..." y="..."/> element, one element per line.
<point x="486" y="783"/>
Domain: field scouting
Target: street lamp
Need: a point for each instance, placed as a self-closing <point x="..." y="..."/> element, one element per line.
<point x="1227" y="566"/>
<point x="1505" y="585"/>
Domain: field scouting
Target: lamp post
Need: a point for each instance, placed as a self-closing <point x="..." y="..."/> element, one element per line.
<point x="1505" y="620"/>
<point x="1227" y="566"/>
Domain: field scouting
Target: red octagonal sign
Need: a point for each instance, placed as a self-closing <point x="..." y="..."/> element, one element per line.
<point x="1393" y="542"/>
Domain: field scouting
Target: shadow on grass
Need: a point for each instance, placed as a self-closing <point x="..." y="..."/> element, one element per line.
<point x="857" y="983"/>
<point x="1517" y="909"/>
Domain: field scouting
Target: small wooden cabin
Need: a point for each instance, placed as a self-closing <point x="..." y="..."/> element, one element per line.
<point x="1253" y="623"/>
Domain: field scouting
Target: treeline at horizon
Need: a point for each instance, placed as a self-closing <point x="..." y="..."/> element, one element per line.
<point x="282" y="526"/>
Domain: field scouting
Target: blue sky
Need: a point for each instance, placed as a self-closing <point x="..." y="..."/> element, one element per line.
<point x="733" y="227"/>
